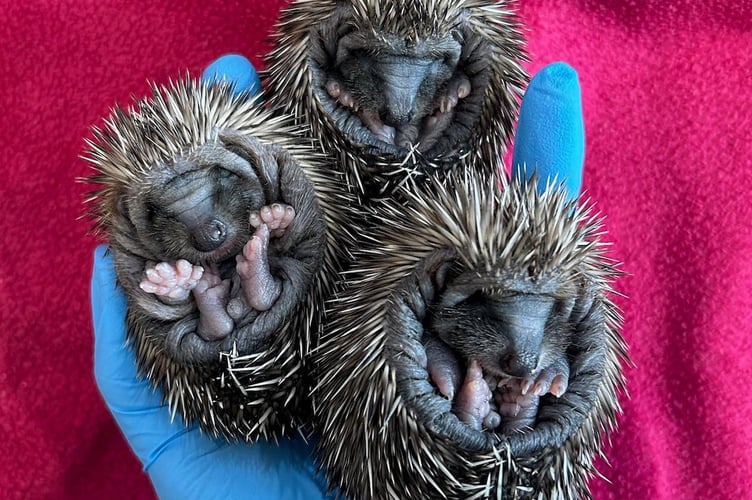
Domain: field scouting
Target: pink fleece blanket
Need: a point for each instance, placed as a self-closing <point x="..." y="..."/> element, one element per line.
<point x="668" y="109"/>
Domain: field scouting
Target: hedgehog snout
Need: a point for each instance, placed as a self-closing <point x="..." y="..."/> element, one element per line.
<point x="209" y="235"/>
<point x="396" y="116"/>
<point x="519" y="364"/>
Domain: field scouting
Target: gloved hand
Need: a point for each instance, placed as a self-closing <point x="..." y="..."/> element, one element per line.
<point x="184" y="463"/>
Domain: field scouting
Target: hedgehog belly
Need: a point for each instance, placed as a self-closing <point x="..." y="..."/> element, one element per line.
<point x="389" y="430"/>
<point x="224" y="225"/>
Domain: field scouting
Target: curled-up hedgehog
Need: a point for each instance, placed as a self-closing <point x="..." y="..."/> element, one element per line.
<point x="479" y="358"/>
<point x="400" y="90"/>
<point x="223" y="227"/>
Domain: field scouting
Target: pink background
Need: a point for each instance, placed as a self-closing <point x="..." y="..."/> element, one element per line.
<point x="668" y="111"/>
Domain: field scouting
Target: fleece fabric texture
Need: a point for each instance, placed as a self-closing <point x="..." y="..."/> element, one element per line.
<point x="667" y="96"/>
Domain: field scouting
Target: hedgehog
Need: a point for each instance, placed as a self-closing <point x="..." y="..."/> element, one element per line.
<point x="479" y="358"/>
<point x="224" y="225"/>
<point x="400" y="90"/>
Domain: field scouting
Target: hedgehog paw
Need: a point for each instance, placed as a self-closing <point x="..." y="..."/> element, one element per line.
<point x="211" y="294"/>
<point x="172" y="281"/>
<point x="472" y="405"/>
<point x="443" y="367"/>
<point x="458" y="88"/>
<point x="260" y="288"/>
<point x="553" y="379"/>
<point x="517" y="410"/>
<point x="343" y="97"/>
<point x="382" y="131"/>
<point x="277" y="217"/>
<point x="406" y="136"/>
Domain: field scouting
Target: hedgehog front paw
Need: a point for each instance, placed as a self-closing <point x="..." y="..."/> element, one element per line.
<point x="260" y="288"/>
<point x="343" y="97"/>
<point x="443" y="367"/>
<point x="553" y="379"/>
<point x="458" y="88"/>
<point x="277" y="217"/>
<point x="172" y="281"/>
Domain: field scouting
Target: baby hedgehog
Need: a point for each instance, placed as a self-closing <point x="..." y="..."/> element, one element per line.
<point x="480" y="357"/>
<point x="400" y="90"/>
<point x="218" y="216"/>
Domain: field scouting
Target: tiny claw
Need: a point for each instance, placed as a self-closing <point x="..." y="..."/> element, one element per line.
<point x="525" y="386"/>
<point x="254" y="219"/>
<point x="509" y="409"/>
<point x="539" y="390"/>
<point x="559" y="386"/>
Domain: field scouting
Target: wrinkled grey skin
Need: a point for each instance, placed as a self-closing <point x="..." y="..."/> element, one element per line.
<point x="522" y="336"/>
<point x="198" y="209"/>
<point x="397" y="89"/>
<point x="538" y="330"/>
<point x="391" y="95"/>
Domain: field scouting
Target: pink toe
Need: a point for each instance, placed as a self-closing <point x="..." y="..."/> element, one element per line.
<point x="197" y="272"/>
<point x="289" y="215"/>
<point x="184" y="268"/>
<point x="265" y="213"/>
<point x="152" y="275"/>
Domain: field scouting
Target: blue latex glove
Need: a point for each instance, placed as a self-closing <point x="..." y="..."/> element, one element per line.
<point x="550" y="136"/>
<point x="182" y="462"/>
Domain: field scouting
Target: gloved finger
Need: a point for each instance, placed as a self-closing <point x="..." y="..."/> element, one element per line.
<point x="550" y="136"/>
<point x="237" y="70"/>
<point x="136" y="406"/>
<point x="191" y="467"/>
<point x="114" y="363"/>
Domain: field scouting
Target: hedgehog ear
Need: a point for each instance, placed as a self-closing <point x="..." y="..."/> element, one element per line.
<point x="259" y="156"/>
<point x="452" y="50"/>
<point x="345" y="46"/>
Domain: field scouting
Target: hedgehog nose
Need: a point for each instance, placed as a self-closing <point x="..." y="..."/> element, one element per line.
<point x="396" y="117"/>
<point x="210" y="235"/>
<point x="518" y="364"/>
